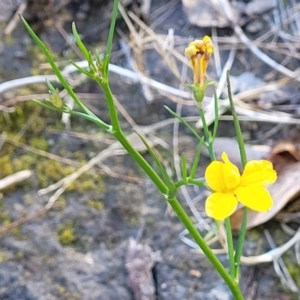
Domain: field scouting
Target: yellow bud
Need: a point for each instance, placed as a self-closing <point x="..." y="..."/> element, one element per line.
<point x="199" y="52"/>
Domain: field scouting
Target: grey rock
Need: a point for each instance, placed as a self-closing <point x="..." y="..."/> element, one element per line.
<point x="258" y="7"/>
<point x="205" y="13"/>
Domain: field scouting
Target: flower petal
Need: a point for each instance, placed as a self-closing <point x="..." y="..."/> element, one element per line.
<point x="258" y="172"/>
<point x="231" y="173"/>
<point x="209" y="48"/>
<point x="222" y="177"/>
<point x="220" y="206"/>
<point x="191" y="50"/>
<point x="254" y="196"/>
<point x="214" y="176"/>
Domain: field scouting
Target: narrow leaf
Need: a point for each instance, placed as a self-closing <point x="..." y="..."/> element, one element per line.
<point x="82" y="70"/>
<point x="157" y="162"/>
<point x="79" y="43"/>
<point x="216" y="123"/>
<point x="183" y="121"/>
<point x="196" y="160"/>
<point x="183" y="167"/>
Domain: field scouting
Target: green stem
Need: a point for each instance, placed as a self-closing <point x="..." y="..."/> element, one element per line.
<point x="142" y="162"/>
<point x="112" y="27"/>
<point x="120" y="136"/>
<point x="241" y="241"/>
<point x="237" y="126"/>
<point x="190" y="181"/>
<point x="208" y="142"/>
<point x="241" y="144"/>
<point x="185" y="219"/>
<point x="216" y="123"/>
<point x="111" y="105"/>
<point x="230" y="247"/>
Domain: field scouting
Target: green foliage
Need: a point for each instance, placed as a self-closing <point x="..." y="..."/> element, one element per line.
<point x="39" y="143"/>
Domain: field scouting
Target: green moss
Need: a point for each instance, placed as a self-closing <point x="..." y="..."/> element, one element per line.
<point x="11" y="165"/>
<point x="39" y="143"/>
<point x="133" y="220"/>
<point x="5" y="218"/>
<point x="37" y="57"/>
<point x="28" y="114"/>
<point x="3" y="257"/>
<point x="52" y="171"/>
<point x="96" y="204"/>
<point x="24" y="162"/>
<point x="31" y="120"/>
<point x="88" y="182"/>
<point x="6" y="166"/>
<point x="292" y="266"/>
<point x="60" y="203"/>
<point x="66" y="234"/>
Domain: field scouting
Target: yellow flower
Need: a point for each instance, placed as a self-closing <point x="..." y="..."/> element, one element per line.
<point x="229" y="187"/>
<point x="199" y="52"/>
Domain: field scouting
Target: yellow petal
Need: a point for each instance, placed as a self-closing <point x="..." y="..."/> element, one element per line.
<point x="220" y="206"/>
<point x="222" y="177"/>
<point x="258" y="172"/>
<point x="231" y="173"/>
<point x="255" y="196"/>
<point x="191" y="50"/>
<point x="214" y="176"/>
<point x="199" y="45"/>
<point x="209" y="48"/>
<point x="203" y="63"/>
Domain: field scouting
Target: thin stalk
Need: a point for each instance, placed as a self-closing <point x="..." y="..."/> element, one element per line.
<point x="111" y="105"/>
<point x="216" y="123"/>
<point x="208" y="142"/>
<point x="95" y="120"/>
<point x="190" y="181"/>
<point x="183" y="121"/>
<point x="230" y="247"/>
<point x="142" y="162"/>
<point x="112" y="27"/>
<point x="120" y="136"/>
<point x="241" y="144"/>
<point x="237" y="126"/>
<point x="240" y="245"/>
<point x="185" y="219"/>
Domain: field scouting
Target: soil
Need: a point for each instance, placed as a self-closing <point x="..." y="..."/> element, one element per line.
<point x="78" y="249"/>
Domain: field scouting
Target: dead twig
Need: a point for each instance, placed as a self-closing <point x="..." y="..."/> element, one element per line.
<point x="252" y="47"/>
<point x="15" y="19"/>
<point x="280" y="267"/>
<point x="23" y="220"/>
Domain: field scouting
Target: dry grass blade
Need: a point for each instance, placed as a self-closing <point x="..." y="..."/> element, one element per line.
<point x="280" y="267"/>
<point x="252" y="47"/>
<point x="23" y="220"/>
<point x="14" y="178"/>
